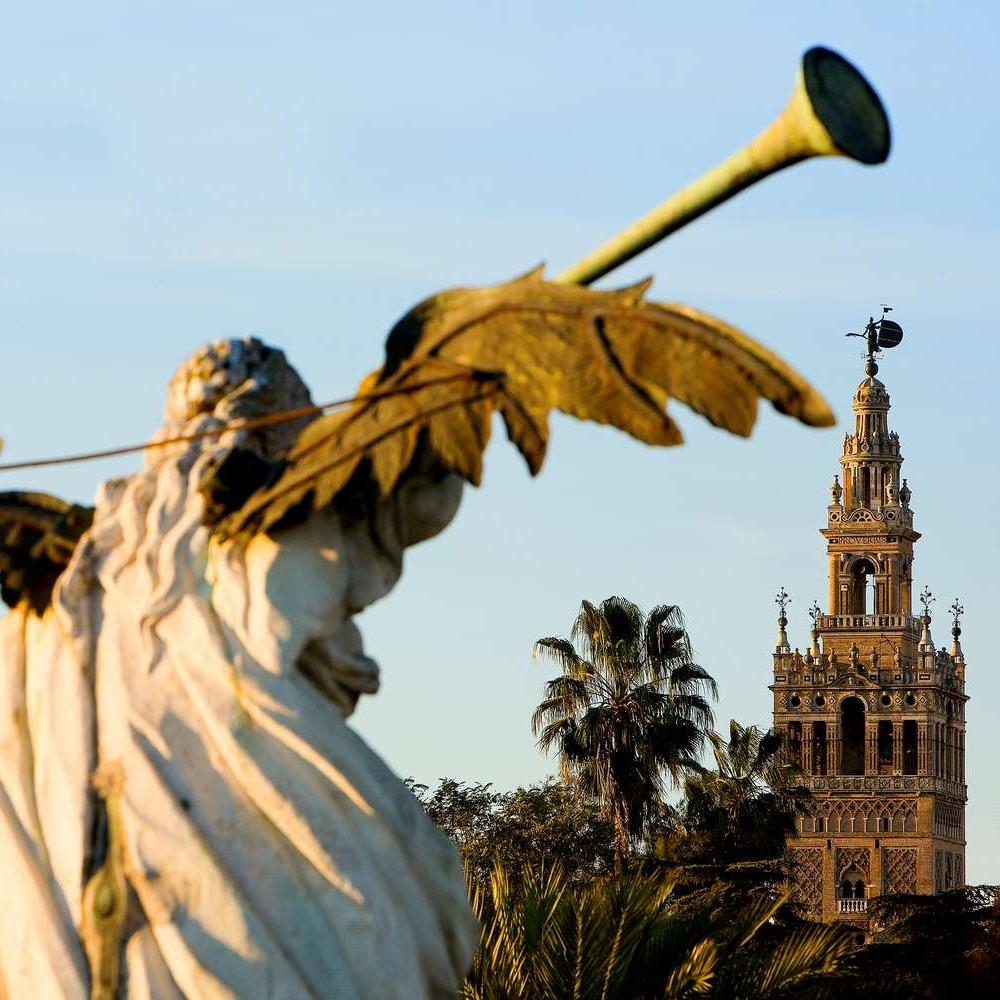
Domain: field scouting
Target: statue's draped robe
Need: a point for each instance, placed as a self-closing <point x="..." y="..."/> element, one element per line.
<point x="268" y="852"/>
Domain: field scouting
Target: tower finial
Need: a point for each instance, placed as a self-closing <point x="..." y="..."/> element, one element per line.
<point x="782" y="600"/>
<point x="926" y="642"/>
<point x="814" y="613"/>
<point x="956" y="613"/>
<point x="956" y="629"/>
<point x="927" y="599"/>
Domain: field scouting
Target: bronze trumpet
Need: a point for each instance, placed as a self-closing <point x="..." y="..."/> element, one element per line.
<point x="833" y="111"/>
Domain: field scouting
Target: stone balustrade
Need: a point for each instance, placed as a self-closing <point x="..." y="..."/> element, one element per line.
<point x="852" y="905"/>
<point x="849" y="623"/>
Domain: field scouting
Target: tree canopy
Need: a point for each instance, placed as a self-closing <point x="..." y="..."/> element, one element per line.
<point x="628" y="712"/>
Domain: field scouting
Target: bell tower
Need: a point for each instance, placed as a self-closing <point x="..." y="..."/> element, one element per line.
<point x="872" y="713"/>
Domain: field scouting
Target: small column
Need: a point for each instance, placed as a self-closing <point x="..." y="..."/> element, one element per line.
<point x="922" y="748"/>
<point x="897" y="747"/>
<point x="892" y="590"/>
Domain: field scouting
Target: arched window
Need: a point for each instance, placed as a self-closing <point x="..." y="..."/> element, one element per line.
<point x="863" y="588"/>
<point x="852" y="736"/>
<point x="852" y="885"/>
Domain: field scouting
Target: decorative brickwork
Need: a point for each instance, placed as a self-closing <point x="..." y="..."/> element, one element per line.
<point x="807" y="873"/>
<point x="949" y="820"/>
<point x="866" y="815"/>
<point x="899" y="870"/>
<point x="853" y="857"/>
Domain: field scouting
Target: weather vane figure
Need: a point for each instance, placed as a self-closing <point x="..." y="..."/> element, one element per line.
<point x="879" y="335"/>
<point x="185" y="811"/>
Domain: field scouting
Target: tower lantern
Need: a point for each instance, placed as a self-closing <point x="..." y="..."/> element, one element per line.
<point x="873" y="715"/>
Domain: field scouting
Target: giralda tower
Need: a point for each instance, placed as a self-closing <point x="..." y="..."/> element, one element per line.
<point x="873" y="714"/>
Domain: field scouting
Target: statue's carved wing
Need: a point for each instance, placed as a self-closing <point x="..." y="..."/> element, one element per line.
<point x="522" y="349"/>
<point x="38" y="534"/>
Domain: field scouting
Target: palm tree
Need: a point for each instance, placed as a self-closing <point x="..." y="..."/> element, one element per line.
<point x="632" y="939"/>
<point x="628" y="710"/>
<point x="743" y="809"/>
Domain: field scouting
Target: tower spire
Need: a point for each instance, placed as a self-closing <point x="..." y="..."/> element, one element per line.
<point x="870" y="501"/>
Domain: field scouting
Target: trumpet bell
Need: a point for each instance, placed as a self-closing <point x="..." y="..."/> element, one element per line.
<point x="834" y="111"/>
<point x="846" y="105"/>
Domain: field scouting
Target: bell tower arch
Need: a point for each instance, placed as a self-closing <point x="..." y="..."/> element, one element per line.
<point x="872" y="712"/>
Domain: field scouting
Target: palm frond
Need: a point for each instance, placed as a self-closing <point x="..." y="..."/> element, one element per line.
<point x="808" y="951"/>
<point x="696" y="974"/>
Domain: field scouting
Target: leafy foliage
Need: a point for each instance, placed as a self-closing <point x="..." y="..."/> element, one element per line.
<point x="545" y="824"/>
<point x="743" y="808"/>
<point x="628" y="710"/>
<point x="632" y="938"/>
<point x="933" y="946"/>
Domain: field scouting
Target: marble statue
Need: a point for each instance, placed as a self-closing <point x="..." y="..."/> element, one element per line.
<point x="185" y="810"/>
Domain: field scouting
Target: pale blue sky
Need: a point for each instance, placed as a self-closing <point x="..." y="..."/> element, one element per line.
<point x="175" y="173"/>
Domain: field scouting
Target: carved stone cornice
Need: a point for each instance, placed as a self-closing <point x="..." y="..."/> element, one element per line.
<point x="895" y="783"/>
